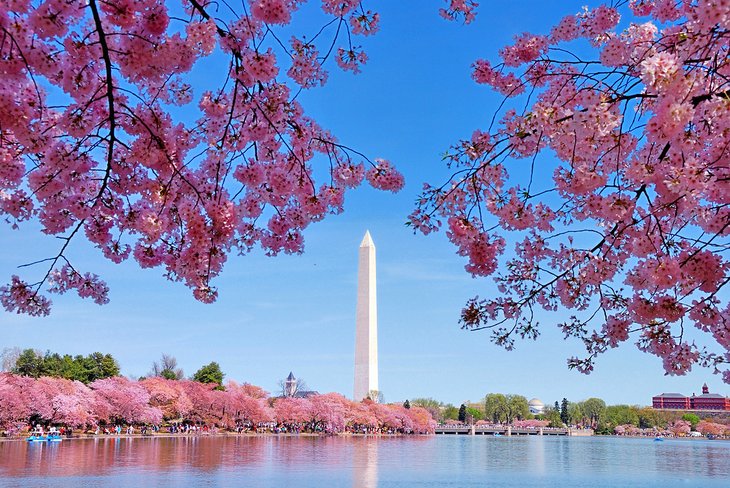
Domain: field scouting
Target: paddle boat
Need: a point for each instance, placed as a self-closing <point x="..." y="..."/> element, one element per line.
<point x="48" y="438"/>
<point x="37" y="436"/>
<point x="659" y="439"/>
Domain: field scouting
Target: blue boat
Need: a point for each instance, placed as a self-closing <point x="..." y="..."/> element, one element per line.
<point x="658" y="439"/>
<point x="41" y="438"/>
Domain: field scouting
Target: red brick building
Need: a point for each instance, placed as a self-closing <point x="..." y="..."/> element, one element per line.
<point x="709" y="401"/>
<point x="705" y="401"/>
<point x="674" y="401"/>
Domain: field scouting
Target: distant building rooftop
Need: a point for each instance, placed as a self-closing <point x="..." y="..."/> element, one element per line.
<point x="305" y="394"/>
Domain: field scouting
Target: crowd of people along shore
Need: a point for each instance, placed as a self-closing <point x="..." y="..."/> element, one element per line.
<point x="120" y="406"/>
<point x="681" y="428"/>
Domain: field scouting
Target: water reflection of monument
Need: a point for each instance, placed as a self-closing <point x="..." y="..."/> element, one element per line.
<point x="365" y="463"/>
<point x="536" y="455"/>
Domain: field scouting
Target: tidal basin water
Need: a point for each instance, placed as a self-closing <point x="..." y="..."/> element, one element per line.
<point x="364" y="462"/>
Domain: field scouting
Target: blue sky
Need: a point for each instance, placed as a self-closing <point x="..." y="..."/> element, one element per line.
<point x="413" y="100"/>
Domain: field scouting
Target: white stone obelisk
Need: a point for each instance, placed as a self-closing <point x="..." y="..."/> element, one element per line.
<point x="366" y="328"/>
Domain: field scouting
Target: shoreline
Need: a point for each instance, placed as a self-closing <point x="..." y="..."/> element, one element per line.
<point x="309" y="434"/>
<point x="208" y="435"/>
<point x="674" y="438"/>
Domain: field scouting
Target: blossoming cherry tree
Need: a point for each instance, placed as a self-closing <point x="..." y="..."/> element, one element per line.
<point x="607" y="169"/>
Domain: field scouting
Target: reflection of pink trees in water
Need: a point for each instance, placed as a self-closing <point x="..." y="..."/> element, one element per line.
<point x="154" y="400"/>
<point x="102" y="456"/>
<point x="171" y="455"/>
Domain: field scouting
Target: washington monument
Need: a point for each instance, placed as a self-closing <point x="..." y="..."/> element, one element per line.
<point x="366" y="329"/>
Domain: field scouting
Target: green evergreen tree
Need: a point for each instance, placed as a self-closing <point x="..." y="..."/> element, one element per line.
<point x="51" y="365"/>
<point x="99" y="366"/>
<point x="210" y="373"/>
<point x="28" y="364"/>
<point x="462" y="413"/>
<point x="407" y="404"/>
<point x="168" y="374"/>
<point x="86" y="369"/>
<point x="73" y="368"/>
<point x="564" y="415"/>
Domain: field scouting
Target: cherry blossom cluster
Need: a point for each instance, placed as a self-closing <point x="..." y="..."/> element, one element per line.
<point x="91" y="145"/>
<point x="351" y="59"/>
<point x="609" y="183"/>
<point x="87" y="285"/>
<point x="118" y="400"/>
<point x="458" y="9"/>
<point x="530" y="424"/>
<point x="713" y="428"/>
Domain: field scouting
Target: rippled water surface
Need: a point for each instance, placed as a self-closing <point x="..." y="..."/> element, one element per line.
<point x="366" y="462"/>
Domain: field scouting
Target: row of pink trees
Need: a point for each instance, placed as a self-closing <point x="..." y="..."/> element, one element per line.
<point x="531" y="424"/>
<point x="706" y="427"/>
<point x="334" y="413"/>
<point x="520" y="424"/>
<point x="60" y="401"/>
<point x="678" y="428"/>
<point x="121" y="401"/>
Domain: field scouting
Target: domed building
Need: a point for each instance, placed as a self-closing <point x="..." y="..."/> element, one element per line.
<point x="536" y="406"/>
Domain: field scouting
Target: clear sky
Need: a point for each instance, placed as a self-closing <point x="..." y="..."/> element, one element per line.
<point x="413" y="100"/>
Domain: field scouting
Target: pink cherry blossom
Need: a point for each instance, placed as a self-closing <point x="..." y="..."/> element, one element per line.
<point x="707" y="427"/>
<point x="292" y="410"/>
<point x="168" y="396"/>
<point x="458" y="9"/>
<point x="680" y="427"/>
<point x="110" y="161"/>
<point x="606" y="189"/>
<point x="365" y="23"/>
<point x="14" y="399"/>
<point x="119" y="400"/>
